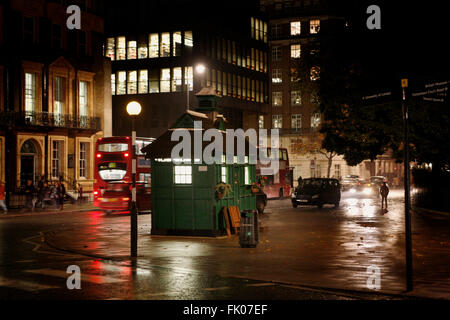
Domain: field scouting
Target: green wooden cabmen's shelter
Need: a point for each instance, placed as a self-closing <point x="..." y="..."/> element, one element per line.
<point x="185" y="200"/>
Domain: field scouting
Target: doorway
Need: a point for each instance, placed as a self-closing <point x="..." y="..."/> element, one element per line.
<point x="28" y="163"/>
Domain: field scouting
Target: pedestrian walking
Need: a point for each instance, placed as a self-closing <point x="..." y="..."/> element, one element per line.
<point x="41" y="193"/>
<point x="61" y="194"/>
<point x="29" y="195"/>
<point x="2" y="197"/>
<point x="384" y="191"/>
<point x="300" y="181"/>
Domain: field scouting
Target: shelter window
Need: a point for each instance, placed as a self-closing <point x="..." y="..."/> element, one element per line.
<point x="314" y="26"/>
<point x="183" y="174"/>
<point x="224" y="174"/>
<point x="247" y="176"/>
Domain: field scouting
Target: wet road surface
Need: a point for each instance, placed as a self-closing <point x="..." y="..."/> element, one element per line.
<point x="328" y="248"/>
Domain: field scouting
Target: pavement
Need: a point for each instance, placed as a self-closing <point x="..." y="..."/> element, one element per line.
<point x="50" y="210"/>
<point x="319" y="249"/>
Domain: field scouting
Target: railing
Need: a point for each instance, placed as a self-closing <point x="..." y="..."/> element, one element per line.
<point x="45" y="119"/>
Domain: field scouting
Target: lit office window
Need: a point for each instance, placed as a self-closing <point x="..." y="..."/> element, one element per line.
<point x="154" y="81"/>
<point x="261" y="122"/>
<point x="111" y="48"/>
<point x="277" y="99"/>
<point x="224" y="84"/>
<point x="296" y="121"/>
<point x="219" y="82"/>
<point x="189" y="77"/>
<point x="30" y="92"/>
<point x="84" y="101"/>
<point x="277" y="76"/>
<point x="296" y="51"/>
<point x="188" y="39"/>
<point x="143" y="49"/>
<point x="132" y="82"/>
<point x="296" y="28"/>
<point x="121" y="50"/>
<point x="177" y="80"/>
<point x="296" y="98"/>
<point x="315" y="120"/>
<point x="252" y="27"/>
<point x="183" y="174"/>
<point x="132" y="50"/>
<point x="165" y="80"/>
<point x="253" y="58"/>
<point x="153" y="44"/>
<point x="143" y="81"/>
<point x="177" y="44"/>
<point x="277" y="121"/>
<point x="165" y="44"/>
<point x="314" y="26"/>
<point x="122" y="82"/>
<point x="113" y="84"/>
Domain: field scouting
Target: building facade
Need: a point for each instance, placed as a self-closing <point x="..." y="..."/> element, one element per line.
<point x="55" y="94"/>
<point x="156" y="46"/>
<point x="298" y="32"/>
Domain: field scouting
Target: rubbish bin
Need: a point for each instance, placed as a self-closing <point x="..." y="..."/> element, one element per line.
<point x="248" y="232"/>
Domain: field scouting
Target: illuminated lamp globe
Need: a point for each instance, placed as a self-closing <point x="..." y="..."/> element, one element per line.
<point x="134" y="108"/>
<point x="200" y="68"/>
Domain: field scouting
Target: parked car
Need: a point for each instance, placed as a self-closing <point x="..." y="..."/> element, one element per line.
<point x="317" y="192"/>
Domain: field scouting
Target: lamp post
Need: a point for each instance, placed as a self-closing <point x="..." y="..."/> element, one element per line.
<point x="134" y="109"/>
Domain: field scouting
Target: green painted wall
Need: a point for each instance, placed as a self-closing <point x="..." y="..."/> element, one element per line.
<point x="194" y="208"/>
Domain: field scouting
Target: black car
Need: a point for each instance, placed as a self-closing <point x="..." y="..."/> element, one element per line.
<point x="317" y="192"/>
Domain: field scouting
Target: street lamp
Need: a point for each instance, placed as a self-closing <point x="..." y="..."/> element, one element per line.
<point x="134" y="109"/>
<point x="200" y="69"/>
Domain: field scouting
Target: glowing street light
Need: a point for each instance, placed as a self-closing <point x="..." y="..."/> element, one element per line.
<point x="134" y="109"/>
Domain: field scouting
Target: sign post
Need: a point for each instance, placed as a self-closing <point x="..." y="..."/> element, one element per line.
<point x="408" y="237"/>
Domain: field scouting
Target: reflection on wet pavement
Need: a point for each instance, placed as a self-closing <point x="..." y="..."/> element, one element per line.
<point x="326" y="247"/>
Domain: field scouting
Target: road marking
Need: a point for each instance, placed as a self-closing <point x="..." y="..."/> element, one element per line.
<point x="217" y="289"/>
<point x="96" y="279"/>
<point x="261" y="285"/>
<point x="25" y="285"/>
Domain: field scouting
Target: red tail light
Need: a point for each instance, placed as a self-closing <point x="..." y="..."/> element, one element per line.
<point x="99" y="155"/>
<point x="125" y="199"/>
<point x="126" y="155"/>
<point x="96" y="193"/>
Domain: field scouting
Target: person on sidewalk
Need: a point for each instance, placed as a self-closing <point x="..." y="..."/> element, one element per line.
<point x="384" y="191"/>
<point x="2" y="198"/>
<point x="41" y="193"/>
<point x="61" y="194"/>
<point x="29" y="195"/>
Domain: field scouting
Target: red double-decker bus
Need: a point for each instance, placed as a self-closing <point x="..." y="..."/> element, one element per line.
<point x="279" y="184"/>
<point x="113" y="176"/>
